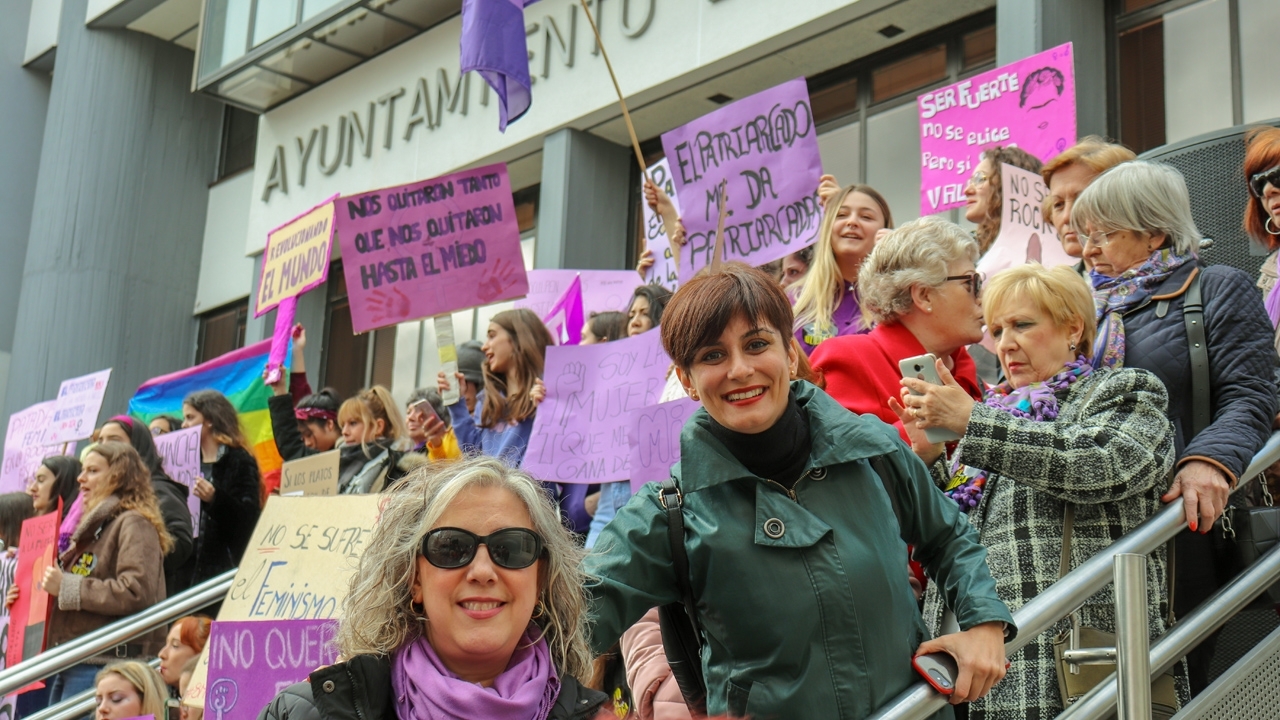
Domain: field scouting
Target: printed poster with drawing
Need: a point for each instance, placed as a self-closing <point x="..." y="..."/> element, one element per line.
<point x="430" y="247"/>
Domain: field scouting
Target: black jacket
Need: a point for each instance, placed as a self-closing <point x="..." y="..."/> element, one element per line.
<point x="361" y="690"/>
<point x="227" y="523"/>
<point x="1242" y="363"/>
<point x="284" y="425"/>
<point x="172" y="499"/>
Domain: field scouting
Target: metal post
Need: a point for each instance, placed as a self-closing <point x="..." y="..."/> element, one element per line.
<point x="1132" y="637"/>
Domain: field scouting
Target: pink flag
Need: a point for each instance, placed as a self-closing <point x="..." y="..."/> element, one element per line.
<point x="565" y="320"/>
<point x="280" y="340"/>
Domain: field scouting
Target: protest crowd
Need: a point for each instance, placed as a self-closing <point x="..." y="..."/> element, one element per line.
<point x="856" y="459"/>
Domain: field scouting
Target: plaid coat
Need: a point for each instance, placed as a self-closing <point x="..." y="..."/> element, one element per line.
<point x="1110" y="453"/>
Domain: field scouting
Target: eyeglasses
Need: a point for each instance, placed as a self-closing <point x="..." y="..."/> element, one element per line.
<point x="1099" y="238"/>
<point x="973" y="280"/>
<point x="1260" y="180"/>
<point x="978" y="178"/>
<point x="511" y="548"/>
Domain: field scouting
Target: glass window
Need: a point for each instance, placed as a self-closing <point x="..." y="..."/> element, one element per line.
<point x="1258" y="20"/>
<point x="1197" y="87"/>
<point x="222" y="330"/>
<point x="834" y="101"/>
<point x="239" y="141"/>
<point x="893" y="139"/>
<point x="526" y="201"/>
<point x="272" y="18"/>
<point x="979" y="47"/>
<point x="841" y="151"/>
<point x="1141" y="61"/>
<point x="910" y="73"/>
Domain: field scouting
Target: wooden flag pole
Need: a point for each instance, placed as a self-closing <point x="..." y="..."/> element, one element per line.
<point x="718" y="252"/>
<point x="626" y="115"/>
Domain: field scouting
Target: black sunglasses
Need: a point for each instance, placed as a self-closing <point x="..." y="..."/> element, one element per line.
<point x="511" y="548"/>
<point x="1260" y="180"/>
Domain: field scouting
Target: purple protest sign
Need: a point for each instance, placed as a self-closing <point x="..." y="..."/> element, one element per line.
<point x="430" y="247"/>
<point x="655" y="439"/>
<point x="1030" y="103"/>
<point x="180" y="457"/>
<point x="580" y="434"/>
<point x="76" y="408"/>
<point x="251" y="661"/>
<point x="602" y="290"/>
<point x="766" y="147"/>
<point x="26" y="443"/>
<point x="665" y="271"/>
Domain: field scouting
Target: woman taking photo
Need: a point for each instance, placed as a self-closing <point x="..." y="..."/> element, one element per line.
<point x="1058" y="450"/>
<point x="781" y="507"/>
<point x="370" y="457"/>
<point x="114" y="567"/>
<point x="827" y="305"/>
<point x="469" y="604"/>
<point x="921" y="289"/>
<point x="126" y="690"/>
<point x="229" y="486"/>
<point x="186" y="640"/>
<point x="427" y="423"/>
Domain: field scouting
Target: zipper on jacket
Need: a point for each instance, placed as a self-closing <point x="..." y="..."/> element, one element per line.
<point x="355" y="701"/>
<point x="791" y="493"/>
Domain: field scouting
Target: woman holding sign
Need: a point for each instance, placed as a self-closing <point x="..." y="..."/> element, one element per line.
<point x="115" y="565"/>
<point x="781" y="497"/>
<point x="467" y="602"/>
<point x="984" y="194"/>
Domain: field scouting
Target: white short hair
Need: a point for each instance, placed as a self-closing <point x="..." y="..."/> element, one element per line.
<point x="917" y="253"/>
<point x="1143" y="197"/>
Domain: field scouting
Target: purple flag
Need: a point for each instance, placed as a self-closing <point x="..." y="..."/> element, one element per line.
<point x="493" y="44"/>
<point x="565" y="320"/>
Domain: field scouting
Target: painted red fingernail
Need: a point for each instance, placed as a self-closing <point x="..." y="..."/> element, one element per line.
<point x="1193" y="526"/>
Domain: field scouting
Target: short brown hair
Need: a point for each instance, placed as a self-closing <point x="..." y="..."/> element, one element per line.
<point x="703" y="307"/>
<point x="1262" y="152"/>
<point x="1092" y="152"/>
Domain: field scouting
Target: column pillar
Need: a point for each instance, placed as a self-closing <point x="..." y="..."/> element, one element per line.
<point x="585" y="201"/>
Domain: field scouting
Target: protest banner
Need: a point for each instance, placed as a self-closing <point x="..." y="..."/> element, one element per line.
<point x="580" y="434"/>
<point x="180" y="457"/>
<point x="430" y="247"/>
<point x="1025" y="236"/>
<point x="602" y="290"/>
<point x="251" y="661"/>
<point x="766" y="147"/>
<point x="28" y="618"/>
<point x="313" y="475"/>
<point x="664" y="272"/>
<point x="655" y="439"/>
<point x="1030" y="103"/>
<point x="76" y="407"/>
<point x="296" y="257"/>
<point x="26" y="444"/>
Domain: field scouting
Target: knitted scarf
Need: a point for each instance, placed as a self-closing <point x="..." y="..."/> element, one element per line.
<point x="1112" y="296"/>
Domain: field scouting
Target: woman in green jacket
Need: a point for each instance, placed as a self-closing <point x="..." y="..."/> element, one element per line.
<point x="794" y="546"/>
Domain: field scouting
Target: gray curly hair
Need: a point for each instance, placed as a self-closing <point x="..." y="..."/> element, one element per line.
<point x="917" y="253"/>
<point x="377" y="614"/>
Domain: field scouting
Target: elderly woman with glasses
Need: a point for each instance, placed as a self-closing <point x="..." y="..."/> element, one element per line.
<point x="467" y="603"/>
<point x="1219" y="369"/>
<point x="1057" y="450"/>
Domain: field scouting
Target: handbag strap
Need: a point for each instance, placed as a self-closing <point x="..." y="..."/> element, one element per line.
<point x="673" y="502"/>
<point x="1198" y="349"/>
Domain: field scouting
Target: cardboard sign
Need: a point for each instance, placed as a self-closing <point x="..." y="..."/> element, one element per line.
<point x="602" y="290"/>
<point x="766" y="147"/>
<point x="313" y="475"/>
<point x="296" y="257"/>
<point x="1030" y="103"/>
<point x="664" y="271"/>
<point x="655" y="439"/>
<point x="76" y="408"/>
<point x="25" y="445"/>
<point x="180" y="457"/>
<point x="28" y="625"/>
<point x="580" y="434"/>
<point x="432" y="247"/>
<point x="250" y="662"/>
<point x="1025" y="236"/>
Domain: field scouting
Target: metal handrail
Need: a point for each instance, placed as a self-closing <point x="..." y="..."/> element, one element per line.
<point x="1062" y="597"/>
<point x="77" y="705"/>
<point x="72" y="652"/>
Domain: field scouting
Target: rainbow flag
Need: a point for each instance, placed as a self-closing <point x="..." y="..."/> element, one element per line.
<point x="238" y="375"/>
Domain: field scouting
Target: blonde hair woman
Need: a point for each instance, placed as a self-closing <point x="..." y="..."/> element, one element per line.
<point x="469" y="598"/>
<point x="827" y="304"/>
<point x="128" y="690"/>
<point x="371" y="456"/>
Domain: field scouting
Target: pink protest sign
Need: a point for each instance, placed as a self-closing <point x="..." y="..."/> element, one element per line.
<point x="580" y="434"/>
<point x="251" y="661"/>
<point x="655" y="439"/>
<point x="431" y="247"/>
<point x="1030" y="103"/>
<point x="75" y="412"/>
<point x="602" y="290"/>
<point x="281" y="337"/>
<point x="766" y="147"/>
<point x="665" y="271"/>
<point x="1025" y="236"/>
<point x="26" y="444"/>
<point x="180" y="457"/>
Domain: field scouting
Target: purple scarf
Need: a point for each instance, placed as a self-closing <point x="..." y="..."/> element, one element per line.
<point x="1273" y="301"/>
<point x="70" y="522"/>
<point x="1113" y="296"/>
<point x="426" y="690"/>
<point x="1037" y="402"/>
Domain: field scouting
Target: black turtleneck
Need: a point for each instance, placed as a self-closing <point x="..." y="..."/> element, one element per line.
<point x="779" y="453"/>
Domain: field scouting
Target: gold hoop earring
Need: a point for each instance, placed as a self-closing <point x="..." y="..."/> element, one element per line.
<point x="539" y="611"/>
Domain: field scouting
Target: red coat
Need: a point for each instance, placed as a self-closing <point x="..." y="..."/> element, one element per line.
<point x="861" y="371"/>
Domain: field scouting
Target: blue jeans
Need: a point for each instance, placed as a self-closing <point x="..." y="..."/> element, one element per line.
<point x="612" y="497"/>
<point x="71" y="682"/>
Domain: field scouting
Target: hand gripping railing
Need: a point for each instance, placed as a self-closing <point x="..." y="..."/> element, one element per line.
<point x="1061" y="598"/>
<point x="93" y="644"/>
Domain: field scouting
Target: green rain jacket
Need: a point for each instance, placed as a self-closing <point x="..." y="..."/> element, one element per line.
<point x="820" y="621"/>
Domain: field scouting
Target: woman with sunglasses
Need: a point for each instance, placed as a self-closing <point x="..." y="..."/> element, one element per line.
<point x="468" y="602"/>
<point x="1262" y="214"/>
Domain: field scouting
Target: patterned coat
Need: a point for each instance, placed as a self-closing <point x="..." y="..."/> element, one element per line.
<point x="1110" y="453"/>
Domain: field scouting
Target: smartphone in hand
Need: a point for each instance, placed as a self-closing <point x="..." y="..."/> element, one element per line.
<point x="938" y="669"/>
<point x="923" y="367"/>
